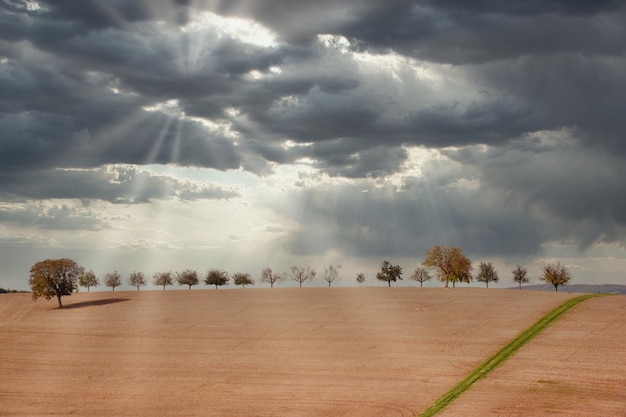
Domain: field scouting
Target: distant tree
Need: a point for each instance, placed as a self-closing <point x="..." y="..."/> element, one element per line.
<point x="520" y="275"/>
<point x="556" y="275"/>
<point x="360" y="278"/>
<point x="162" y="279"/>
<point x="421" y="275"/>
<point x="88" y="280"/>
<point x="187" y="277"/>
<point x="451" y="264"/>
<point x="216" y="277"/>
<point x="331" y="274"/>
<point x="113" y="279"/>
<point x="54" y="278"/>
<point x="270" y="277"/>
<point x="487" y="273"/>
<point x="242" y="279"/>
<point x="301" y="274"/>
<point x="137" y="279"/>
<point x="389" y="272"/>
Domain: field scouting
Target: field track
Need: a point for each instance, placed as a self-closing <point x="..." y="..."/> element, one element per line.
<point x="269" y="352"/>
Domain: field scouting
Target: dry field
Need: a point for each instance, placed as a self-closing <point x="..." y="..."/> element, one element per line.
<point x="303" y="352"/>
<point x="577" y="367"/>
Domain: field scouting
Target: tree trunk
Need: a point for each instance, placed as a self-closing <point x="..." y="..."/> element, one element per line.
<point x="487" y="283"/>
<point x="59" y="300"/>
<point x="389" y="282"/>
<point x="328" y="284"/>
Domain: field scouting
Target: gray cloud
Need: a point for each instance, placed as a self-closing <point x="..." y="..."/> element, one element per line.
<point x="112" y="82"/>
<point x="115" y="184"/>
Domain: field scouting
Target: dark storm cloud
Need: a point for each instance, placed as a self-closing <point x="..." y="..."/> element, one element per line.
<point x="384" y="222"/>
<point x="92" y="83"/>
<point x="575" y="190"/>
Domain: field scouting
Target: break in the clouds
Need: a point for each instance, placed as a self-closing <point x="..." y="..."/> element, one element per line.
<point x="332" y="131"/>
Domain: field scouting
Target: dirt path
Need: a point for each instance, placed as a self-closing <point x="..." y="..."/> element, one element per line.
<point x="254" y="352"/>
<point x="576" y="367"/>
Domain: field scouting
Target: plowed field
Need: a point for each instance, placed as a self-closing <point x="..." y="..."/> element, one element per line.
<point x="277" y="352"/>
<point x="576" y="367"/>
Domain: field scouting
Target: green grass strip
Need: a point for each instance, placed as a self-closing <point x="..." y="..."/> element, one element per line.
<point x="503" y="354"/>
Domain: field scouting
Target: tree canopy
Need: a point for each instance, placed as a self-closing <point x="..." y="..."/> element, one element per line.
<point x="216" y="277"/>
<point x="421" y="275"/>
<point x="188" y="277"/>
<point x="360" y="278"/>
<point x="113" y="279"/>
<point x="54" y="278"/>
<point x="389" y="272"/>
<point x="88" y="280"/>
<point x="487" y="273"/>
<point x="555" y="274"/>
<point x="137" y="279"/>
<point x="451" y="264"/>
<point x="243" y="279"/>
<point x="520" y="275"/>
<point x="162" y="279"/>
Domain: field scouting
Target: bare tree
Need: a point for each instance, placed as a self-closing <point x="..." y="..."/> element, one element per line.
<point x="187" y="277"/>
<point x="162" y="279"/>
<point x="451" y="263"/>
<point x="556" y="275"/>
<point x="216" y="277"/>
<point x="331" y="274"/>
<point x="242" y="279"/>
<point x="54" y="278"/>
<point x="270" y="277"/>
<point x="389" y="272"/>
<point x="487" y="273"/>
<point x="301" y="274"/>
<point x="520" y="275"/>
<point x="137" y="279"/>
<point x="88" y="280"/>
<point x="360" y="278"/>
<point x="113" y="279"/>
<point x="421" y="275"/>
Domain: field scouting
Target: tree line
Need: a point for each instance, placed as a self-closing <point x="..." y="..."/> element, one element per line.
<point x="452" y="266"/>
<point x="60" y="277"/>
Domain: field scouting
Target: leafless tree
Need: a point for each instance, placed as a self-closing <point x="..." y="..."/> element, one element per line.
<point x="331" y="274"/>
<point x="520" y="275"/>
<point x="301" y="274"/>
<point x="270" y="277"/>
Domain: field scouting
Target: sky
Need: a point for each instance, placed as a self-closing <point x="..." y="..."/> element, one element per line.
<point x="161" y="135"/>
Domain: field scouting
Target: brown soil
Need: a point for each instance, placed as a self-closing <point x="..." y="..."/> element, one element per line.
<point x="576" y="367"/>
<point x="280" y="352"/>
